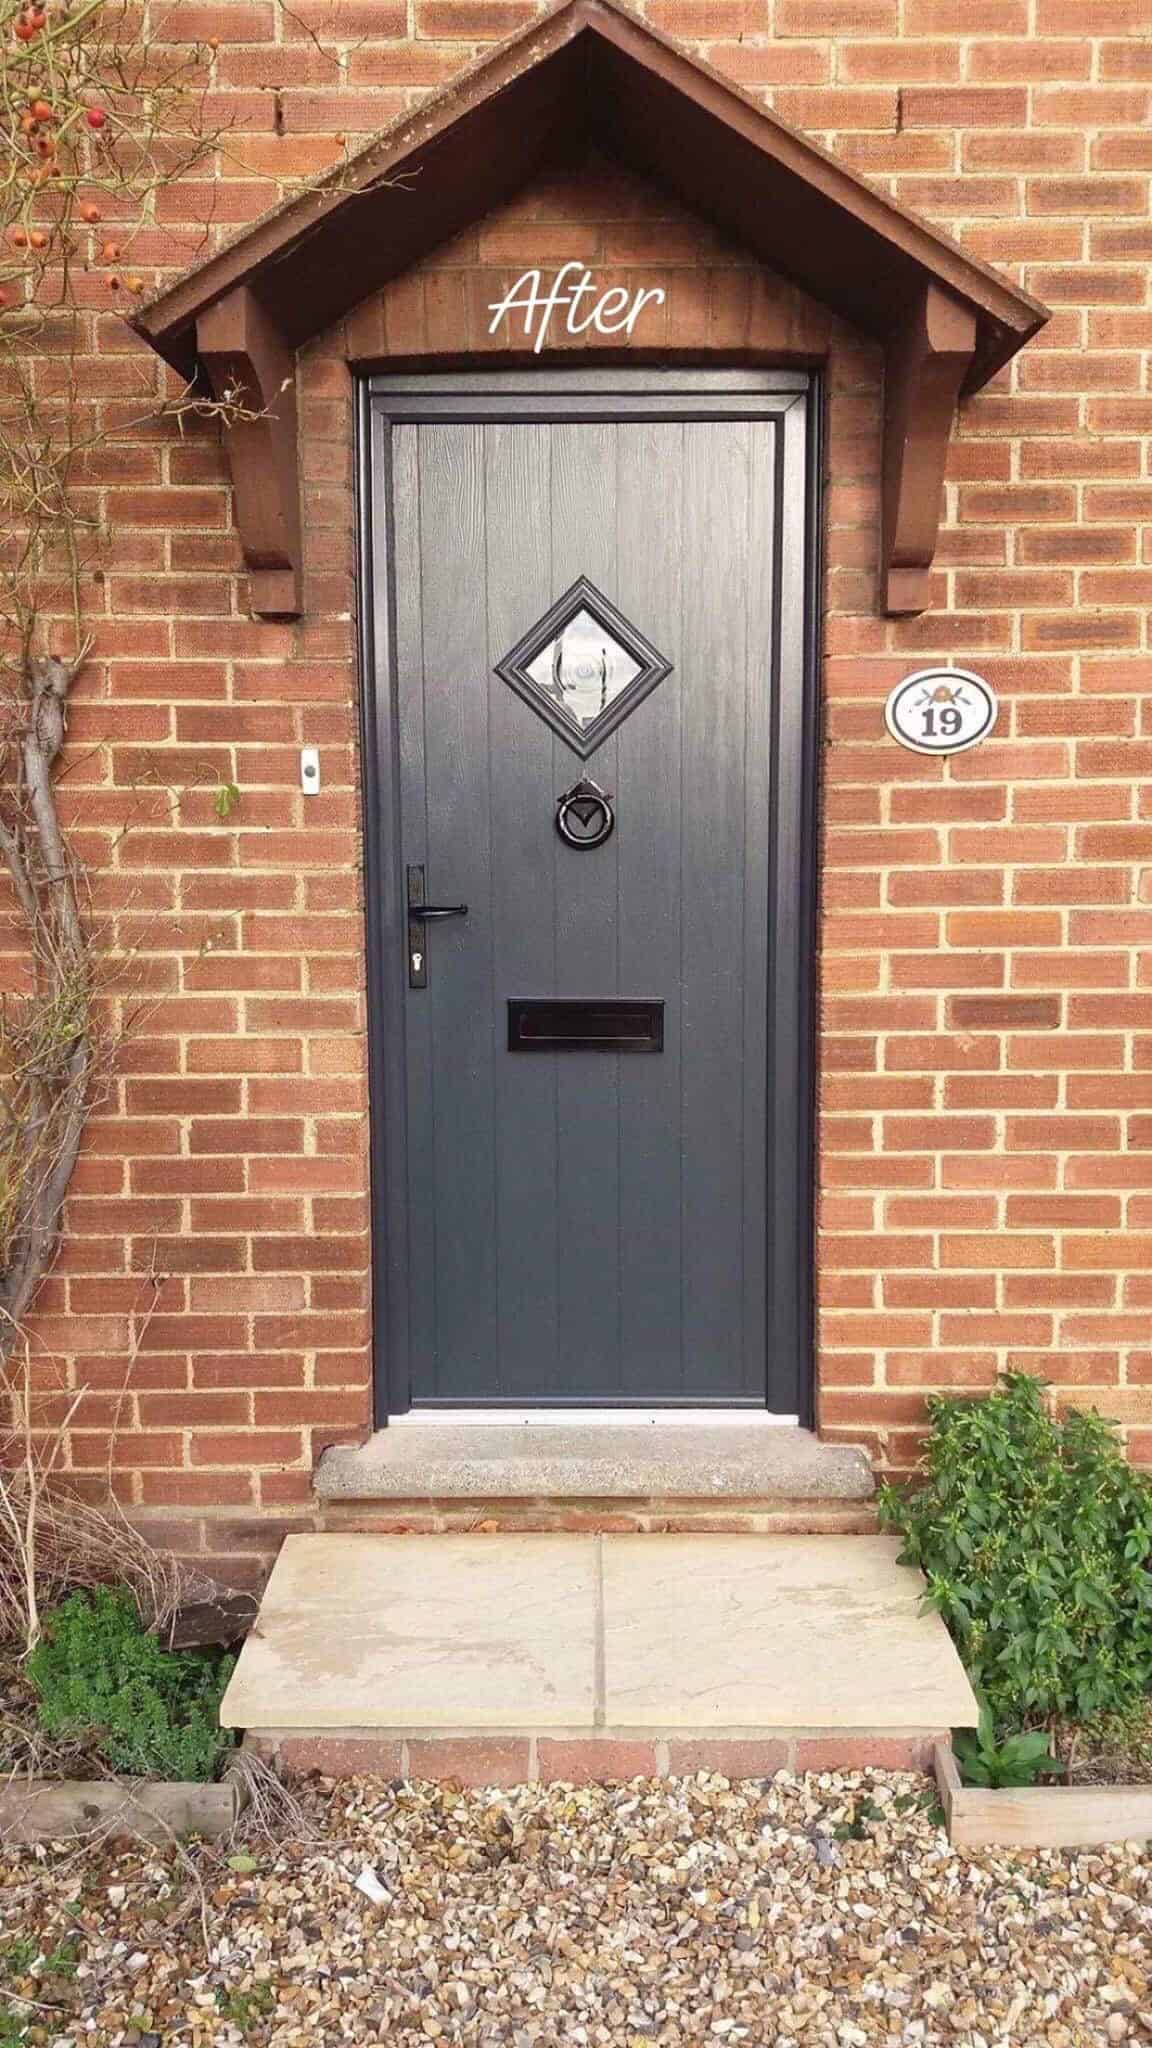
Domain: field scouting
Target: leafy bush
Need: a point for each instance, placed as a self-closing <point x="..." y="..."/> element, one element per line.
<point x="150" y="1711"/>
<point x="1017" y="1760"/>
<point x="1035" y="1538"/>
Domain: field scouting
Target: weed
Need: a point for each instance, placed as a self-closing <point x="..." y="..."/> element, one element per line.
<point x="151" y="1711"/>
<point x="1015" y="1760"/>
<point x="245" y="2008"/>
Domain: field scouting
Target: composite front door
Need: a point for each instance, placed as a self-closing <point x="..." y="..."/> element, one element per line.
<point x="589" y="877"/>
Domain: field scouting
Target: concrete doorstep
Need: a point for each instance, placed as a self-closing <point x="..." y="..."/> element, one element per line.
<point x="443" y="1460"/>
<point x="499" y="1659"/>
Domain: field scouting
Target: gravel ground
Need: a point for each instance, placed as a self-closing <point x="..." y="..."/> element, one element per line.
<point x="828" y="1911"/>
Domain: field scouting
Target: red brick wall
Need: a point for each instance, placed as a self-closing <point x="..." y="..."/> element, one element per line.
<point x="986" y="1163"/>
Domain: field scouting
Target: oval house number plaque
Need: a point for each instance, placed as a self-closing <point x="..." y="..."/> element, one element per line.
<point x="941" y="711"/>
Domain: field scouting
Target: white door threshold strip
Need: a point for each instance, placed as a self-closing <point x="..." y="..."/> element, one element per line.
<point x="593" y="1418"/>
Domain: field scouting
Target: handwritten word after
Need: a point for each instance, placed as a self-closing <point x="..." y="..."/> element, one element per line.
<point x="615" y="311"/>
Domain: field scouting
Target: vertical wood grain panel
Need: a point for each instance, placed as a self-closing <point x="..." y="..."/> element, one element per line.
<point x="456" y="753"/>
<point x="649" y="506"/>
<point x="584" y="483"/>
<point x="716" y="475"/>
<point x="420" y="1147"/>
<point x="760" y="672"/>
<point x="518" y="463"/>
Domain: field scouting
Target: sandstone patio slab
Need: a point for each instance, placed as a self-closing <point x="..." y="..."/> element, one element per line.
<point x="518" y="1634"/>
<point x="773" y="1631"/>
<point x="448" y="1631"/>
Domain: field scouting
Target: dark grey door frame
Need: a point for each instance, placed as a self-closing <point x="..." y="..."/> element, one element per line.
<point x="792" y="401"/>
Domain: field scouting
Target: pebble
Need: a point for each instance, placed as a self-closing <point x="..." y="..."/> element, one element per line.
<point x="658" y="1914"/>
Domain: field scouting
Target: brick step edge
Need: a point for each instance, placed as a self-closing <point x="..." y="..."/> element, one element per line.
<point x="582" y="1759"/>
<point x="641" y="1517"/>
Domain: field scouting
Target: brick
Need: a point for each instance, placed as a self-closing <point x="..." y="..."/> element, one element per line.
<point x="964" y="107"/>
<point x="965" y="17"/>
<point x="860" y="1751"/>
<point x="1004" y="1012"/>
<point x="1095" y="106"/>
<point x="1110" y="1091"/>
<point x="996" y="1330"/>
<point x="473" y="1760"/>
<point x="729" y="1756"/>
<point x="1062" y="1212"/>
<point x="945" y="1134"/>
<point x="243" y="1448"/>
<point x="904" y="62"/>
<point x="331" y="1755"/>
<point x="1058" y="1290"/>
<point x="999" y="149"/>
<point x="471" y="19"/>
<point x="1117" y="1251"/>
<point x="1030" y="60"/>
<point x="591" y="1760"/>
<point x="941" y="1053"/>
<point x="1080" y="196"/>
<point x="1079" y="544"/>
<point x="996" y="928"/>
<point x="1002" y="1251"/>
<point x="836" y="18"/>
<point x="1077" y="1050"/>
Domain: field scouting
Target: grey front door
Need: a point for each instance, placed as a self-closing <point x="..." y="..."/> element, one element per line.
<point x="593" y="592"/>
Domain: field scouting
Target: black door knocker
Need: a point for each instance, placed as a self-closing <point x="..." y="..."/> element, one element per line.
<point x="584" y="815"/>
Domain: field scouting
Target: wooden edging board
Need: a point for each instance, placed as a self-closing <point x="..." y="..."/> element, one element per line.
<point x="1040" y="1816"/>
<point x="63" y="1809"/>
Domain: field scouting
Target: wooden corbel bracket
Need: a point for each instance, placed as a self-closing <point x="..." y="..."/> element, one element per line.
<point x="250" y="366"/>
<point x="925" y="367"/>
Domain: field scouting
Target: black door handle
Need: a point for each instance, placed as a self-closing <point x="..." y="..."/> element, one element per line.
<point x="420" y="914"/>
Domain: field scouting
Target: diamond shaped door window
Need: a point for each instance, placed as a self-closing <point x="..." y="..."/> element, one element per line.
<point x="583" y="667"/>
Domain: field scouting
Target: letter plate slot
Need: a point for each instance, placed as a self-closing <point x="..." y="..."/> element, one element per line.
<point x="607" y="1026"/>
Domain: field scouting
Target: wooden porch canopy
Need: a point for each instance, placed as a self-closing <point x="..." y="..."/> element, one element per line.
<point x="590" y="69"/>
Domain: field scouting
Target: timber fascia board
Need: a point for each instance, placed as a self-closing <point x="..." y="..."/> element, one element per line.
<point x="946" y="322"/>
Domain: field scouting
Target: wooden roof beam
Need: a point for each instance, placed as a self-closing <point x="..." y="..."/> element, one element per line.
<point x="251" y="368"/>
<point x="926" y="364"/>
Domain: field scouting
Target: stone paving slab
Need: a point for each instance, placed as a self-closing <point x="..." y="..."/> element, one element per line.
<point x="433" y="1632"/>
<point x="776" y="1631"/>
<point x="547" y="1632"/>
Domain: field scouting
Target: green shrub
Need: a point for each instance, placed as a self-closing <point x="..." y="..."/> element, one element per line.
<point x="1016" y="1760"/>
<point x="1035" y="1538"/>
<point x="150" y="1711"/>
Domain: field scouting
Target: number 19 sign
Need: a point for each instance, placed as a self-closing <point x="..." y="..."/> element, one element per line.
<point x="941" y="711"/>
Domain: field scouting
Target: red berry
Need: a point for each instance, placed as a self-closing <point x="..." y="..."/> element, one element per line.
<point x="96" y="117"/>
<point x="41" y="111"/>
<point x="89" y="213"/>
